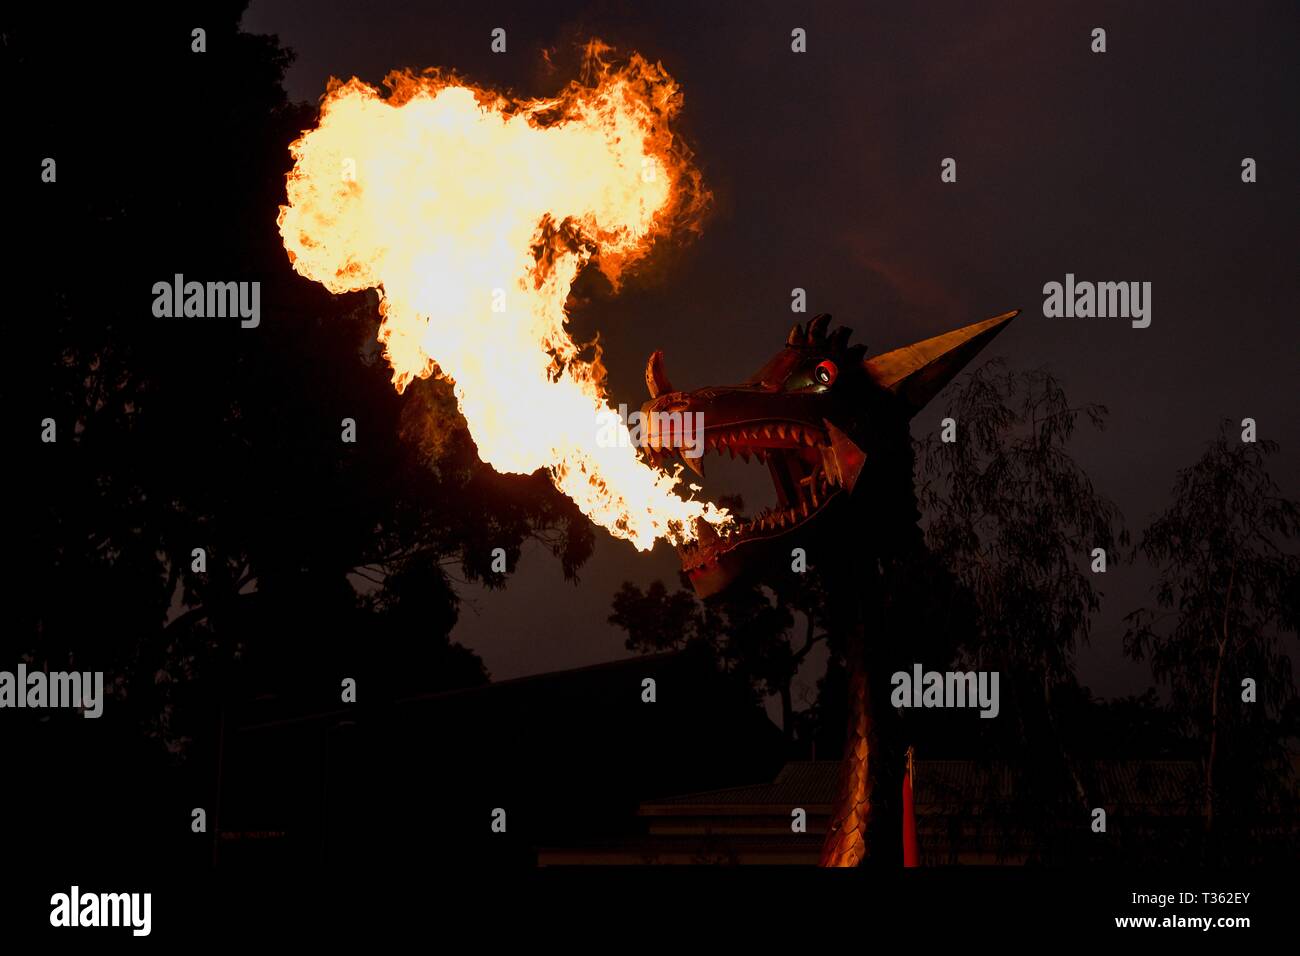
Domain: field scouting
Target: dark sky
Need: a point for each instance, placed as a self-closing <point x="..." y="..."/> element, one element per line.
<point x="1123" y="166"/>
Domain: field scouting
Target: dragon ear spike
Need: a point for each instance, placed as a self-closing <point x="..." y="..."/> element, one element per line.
<point x="918" y="372"/>
<point x="817" y="328"/>
<point x="796" y="335"/>
<point x="656" y="379"/>
<point x="839" y="339"/>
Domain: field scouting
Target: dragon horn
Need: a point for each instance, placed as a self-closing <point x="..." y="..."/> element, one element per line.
<point x="918" y="372"/>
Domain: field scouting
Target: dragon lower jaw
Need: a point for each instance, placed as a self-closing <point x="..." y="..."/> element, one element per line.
<point x="812" y="467"/>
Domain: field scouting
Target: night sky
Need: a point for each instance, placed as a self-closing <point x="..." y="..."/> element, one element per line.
<point x="1122" y="166"/>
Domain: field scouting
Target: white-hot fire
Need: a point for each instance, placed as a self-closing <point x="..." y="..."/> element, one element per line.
<point x="472" y="214"/>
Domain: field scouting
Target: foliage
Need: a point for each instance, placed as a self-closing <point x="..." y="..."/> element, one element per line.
<point x="1227" y="597"/>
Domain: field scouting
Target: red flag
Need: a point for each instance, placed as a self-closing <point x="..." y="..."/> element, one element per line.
<point x="910" y="855"/>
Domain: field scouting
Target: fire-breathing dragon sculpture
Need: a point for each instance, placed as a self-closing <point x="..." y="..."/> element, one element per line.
<point x="832" y="426"/>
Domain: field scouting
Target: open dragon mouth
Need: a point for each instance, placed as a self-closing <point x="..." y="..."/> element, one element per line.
<point x="811" y="466"/>
<point x="798" y="456"/>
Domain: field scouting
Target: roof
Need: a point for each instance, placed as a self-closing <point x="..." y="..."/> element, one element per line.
<point x="803" y="781"/>
<point x="1146" y="782"/>
<point x="812" y="783"/>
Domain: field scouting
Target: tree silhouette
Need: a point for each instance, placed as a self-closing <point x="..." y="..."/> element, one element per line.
<point x="749" y="630"/>
<point x="1016" y="520"/>
<point x="1226" y="597"/>
<point x="323" y="559"/>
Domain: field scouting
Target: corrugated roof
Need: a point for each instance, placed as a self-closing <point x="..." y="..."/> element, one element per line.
<point x="809" y="783"/>
<point x="1145" y="782"/>
<point x="804" y="781"/>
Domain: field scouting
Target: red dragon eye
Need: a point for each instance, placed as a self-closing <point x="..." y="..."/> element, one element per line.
<point x="825" y="372"/>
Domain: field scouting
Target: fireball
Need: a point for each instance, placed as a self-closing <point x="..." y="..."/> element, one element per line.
<point x="472" y="213"/>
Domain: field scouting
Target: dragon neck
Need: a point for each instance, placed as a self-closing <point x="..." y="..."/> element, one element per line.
<point x="866" y="815"/>
<point x="846" y="838"/>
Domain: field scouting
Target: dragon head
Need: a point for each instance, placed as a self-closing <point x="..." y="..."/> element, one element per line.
<point x="820" y="415"/>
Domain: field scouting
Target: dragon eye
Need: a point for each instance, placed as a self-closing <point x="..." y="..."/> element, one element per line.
<point x="825" y="372"/>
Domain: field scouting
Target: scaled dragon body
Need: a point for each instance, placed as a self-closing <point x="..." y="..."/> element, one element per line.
<point x="832" y="426"/>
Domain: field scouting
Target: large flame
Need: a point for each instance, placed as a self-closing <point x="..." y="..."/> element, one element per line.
<point x="472" y="214"/>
